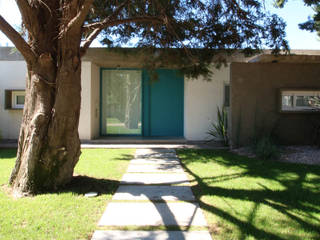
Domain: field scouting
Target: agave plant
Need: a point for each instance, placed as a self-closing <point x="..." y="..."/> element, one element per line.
<point x="219" y="129"/>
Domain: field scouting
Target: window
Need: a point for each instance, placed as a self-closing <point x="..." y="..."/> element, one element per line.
<point x="300" y="100"/>
<point x="14" y="99"/>
<point x="227" y="95"/>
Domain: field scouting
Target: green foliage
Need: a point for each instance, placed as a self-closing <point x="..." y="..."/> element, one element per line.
<point x="266" y="149"/>
<point x="219" y="130"/>
<point x="194" y="27"/>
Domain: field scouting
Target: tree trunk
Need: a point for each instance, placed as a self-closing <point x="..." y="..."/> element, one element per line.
<point x="49" y="145"/>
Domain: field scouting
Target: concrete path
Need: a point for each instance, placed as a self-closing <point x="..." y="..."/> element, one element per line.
<point x="154" y="192"/>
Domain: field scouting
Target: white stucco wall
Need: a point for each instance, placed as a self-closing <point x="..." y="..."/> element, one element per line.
<point x="201" y="99"/>
<point x="95" y="101"/>
<point x="85" y="111"/>
<point x="12" y="76"/>
<point x="90" y="101"/>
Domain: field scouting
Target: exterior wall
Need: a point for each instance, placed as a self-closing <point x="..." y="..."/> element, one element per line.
<point x="12" y="76"/>
<point x="255" y="100"/>
<point x="201" y="99"/>
<point x="95" y="101"/>
<point x="85" y="111"/>
<point x="90" y="100"/>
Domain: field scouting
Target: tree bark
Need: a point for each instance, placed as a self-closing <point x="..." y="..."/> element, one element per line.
<point x="49" y="145"/>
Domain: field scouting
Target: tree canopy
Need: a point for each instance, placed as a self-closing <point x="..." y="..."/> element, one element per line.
<point x="313" y="23"/>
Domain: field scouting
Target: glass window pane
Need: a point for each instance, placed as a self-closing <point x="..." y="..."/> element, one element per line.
<point x="304" y="101"/>
<point x="20" y="100"/>
<point x="287" y="102"/>
<point x="121" y="102"/>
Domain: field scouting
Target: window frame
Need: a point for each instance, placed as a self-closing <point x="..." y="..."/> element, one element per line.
<point x="10" y="101"/>
<point x="295" y="92"/>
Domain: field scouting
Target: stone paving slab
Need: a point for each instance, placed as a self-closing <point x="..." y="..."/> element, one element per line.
<point x="150" y="235"/>
<point x="148" y="168"/>
<point x="168" y="193"/>
<point x="156" y="155"/>
<point x="155" y="161"/>
<point x="152" y="214"/>
<point x="154" y="178"/>
<point x="154" y="150"/>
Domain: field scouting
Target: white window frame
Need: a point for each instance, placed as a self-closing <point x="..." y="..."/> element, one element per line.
<point x="14" y="95"/>
<point x="295" y="94"/>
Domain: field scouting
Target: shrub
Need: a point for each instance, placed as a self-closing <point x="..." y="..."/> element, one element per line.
<point x="219" y="130"/>
<point x="266" y="149"/>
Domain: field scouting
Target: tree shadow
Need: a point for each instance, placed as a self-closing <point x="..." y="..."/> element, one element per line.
<point x="297" y="199"/>
<point x="124" y="157"/>
<point x="8" y="153"/>
<point x="83" y="184"/>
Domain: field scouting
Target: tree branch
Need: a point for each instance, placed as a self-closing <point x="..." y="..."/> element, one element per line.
<point x="79" y="19"/>
<point x="99" y="26"/>
<point x="18" y="41"/>
<point x="28" y="16"/>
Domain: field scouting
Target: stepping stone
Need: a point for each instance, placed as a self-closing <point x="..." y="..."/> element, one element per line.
<point x="155" y="168"/>
<point x="152" y="214"/>
<point x="155" y="161"/>
<point x="157" y="155"/>
<point x="150" y="235"/>
<point x="168" y="193"/>
<point x="154" y="150"/>
<point x="154" y="178"/>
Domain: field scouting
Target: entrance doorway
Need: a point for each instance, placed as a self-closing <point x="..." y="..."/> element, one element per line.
<point x="133" y="104"/>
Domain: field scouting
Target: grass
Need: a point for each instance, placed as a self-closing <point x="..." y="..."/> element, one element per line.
<point x="247" y="199"/>
<point x="66" y="214"/>
<point x="115" y="126"/>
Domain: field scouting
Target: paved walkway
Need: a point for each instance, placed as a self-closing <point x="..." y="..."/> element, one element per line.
<point x="154" y="194"/>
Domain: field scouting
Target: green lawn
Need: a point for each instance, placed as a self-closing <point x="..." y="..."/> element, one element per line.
<point x="246" y="198"/>
<point x="67" y="214"/>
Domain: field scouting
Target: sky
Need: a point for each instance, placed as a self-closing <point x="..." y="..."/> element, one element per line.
<point x="293" y="13"/>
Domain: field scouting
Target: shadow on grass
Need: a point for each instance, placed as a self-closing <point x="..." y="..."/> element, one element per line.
<point x="125" y="157"/>
<point x="8" y="153"/>
<point x="298" y="201"/>
<point x="84" y="184"/>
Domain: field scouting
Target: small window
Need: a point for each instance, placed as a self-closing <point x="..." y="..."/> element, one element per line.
<point x="296" y="100"/>
<point x="227" y="95"/>
<point x="14" y="99"/>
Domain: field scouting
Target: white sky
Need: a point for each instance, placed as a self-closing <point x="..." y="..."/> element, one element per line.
<point x="293" y="13"/>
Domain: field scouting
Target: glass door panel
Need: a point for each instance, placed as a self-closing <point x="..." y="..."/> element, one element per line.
<point x="121" y="102"/>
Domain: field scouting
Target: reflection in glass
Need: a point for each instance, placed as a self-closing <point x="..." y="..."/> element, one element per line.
<point x="20" y="99"/>
<point x="287" y="101"/>
<point x="121" y="102"/>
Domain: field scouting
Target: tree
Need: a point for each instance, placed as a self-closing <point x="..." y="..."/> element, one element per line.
<point x="313" y="23"/>
<point x="57" y="35"/>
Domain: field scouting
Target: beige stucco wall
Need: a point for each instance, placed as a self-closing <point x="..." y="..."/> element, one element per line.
<point x="85" y="111"/>
<point x="90" y="95"/>
<point x="95" y="101"/>
<point x="12" y="76"/>
<point x="201" y="99"/>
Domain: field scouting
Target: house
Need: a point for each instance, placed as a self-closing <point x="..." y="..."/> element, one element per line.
<point x="120" y="99"/>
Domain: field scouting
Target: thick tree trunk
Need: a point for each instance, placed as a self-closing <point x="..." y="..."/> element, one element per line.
<point x="49" y="145"/>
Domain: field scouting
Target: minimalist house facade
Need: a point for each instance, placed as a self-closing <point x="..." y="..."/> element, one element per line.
<point x="119" y="98"/>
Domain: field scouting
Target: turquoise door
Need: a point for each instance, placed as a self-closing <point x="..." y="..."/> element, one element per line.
<point x="163" y="104"/>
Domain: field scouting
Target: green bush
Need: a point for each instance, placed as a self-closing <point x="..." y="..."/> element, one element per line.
<point x="219" y="130"/>
<point x="266" y="149"/>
